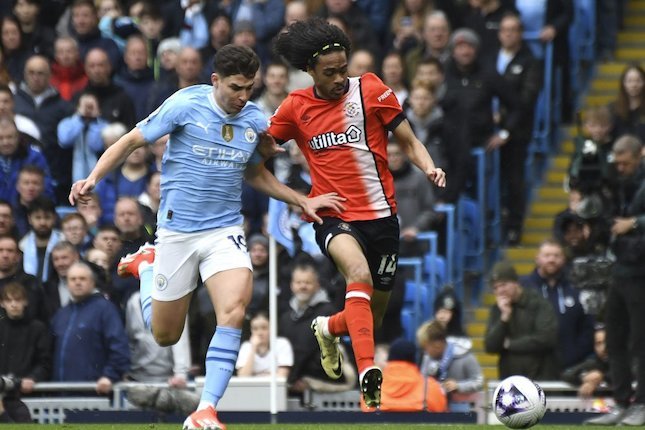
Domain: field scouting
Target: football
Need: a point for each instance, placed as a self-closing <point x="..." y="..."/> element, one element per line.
<point x="518" y="402"/>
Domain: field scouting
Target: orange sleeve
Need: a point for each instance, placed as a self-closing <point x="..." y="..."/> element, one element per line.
<point x="380" y="99"/>
<point x="281" y="125"/>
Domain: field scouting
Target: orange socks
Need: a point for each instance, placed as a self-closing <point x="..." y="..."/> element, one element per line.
<point x="356" y="319"/>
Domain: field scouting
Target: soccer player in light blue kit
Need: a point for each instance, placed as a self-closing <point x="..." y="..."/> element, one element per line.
<point x="212" y="148"/>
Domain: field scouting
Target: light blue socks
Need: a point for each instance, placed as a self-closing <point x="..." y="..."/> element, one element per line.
<point x="220" y="363"/>
<point x="145" y="279"/>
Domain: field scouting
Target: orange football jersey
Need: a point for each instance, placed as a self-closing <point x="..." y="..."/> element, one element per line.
<point x="345" y="144"/>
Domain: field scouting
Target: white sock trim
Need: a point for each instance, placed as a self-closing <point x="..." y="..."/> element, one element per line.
<point x="358" y="294"/>
<point x="325" y="327"/>
<point x="204" y="405"/>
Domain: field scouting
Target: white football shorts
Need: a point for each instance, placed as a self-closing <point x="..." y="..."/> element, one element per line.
<point x="182" y="257"/>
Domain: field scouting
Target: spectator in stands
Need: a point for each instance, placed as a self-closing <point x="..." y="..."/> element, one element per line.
<point x="127" y="181"/>
<point x="7" y="220"/>
<point x="30" y="185"/>
<point x="591" y="170"/>
<point x="39" y="38"/>
<point x="82" y="133"/>
<point x="551" y="20"/>
<point x="254" y="358"/>
<point x="108" y="240"/>
<point x="624" y="316"/>
<point x="187" y="72"/>
<point x="194" y="31"/>
<point x="24" y="124"/>
<point x="363" y="34"/>
<point x="447" y="311"/>
<point x="128" y="218"/>
<point x="244" y="35"/>
<point x="258" y="246"/>
<point x="16" y="153"/>
<point x="361" y="61"/>
<point x="150" y="200"/>
<point x="166" y="58"/>
<point x="90" y="343"/>
<point x="393" y="73"/>
<point x="276" y="78"/>
<point x="405" y="388"/>
<point x="470" y="89"/>
<point x="484" y="18"/>
<point x="427" y="119"/>
<point x="452" y="364"/>
<point x="37" y="244"/>
<point x="431" y="70"/>
<point x="115" y="104"/>
<point x="436" y="35"/>
<point x="220" y="30"/>
<point x="85" y="29"/>
<point x="267" y="18"/>
<point x="575" y="334"/>
<point x="308" y="301"/>
<point x="14" y="50"/>
<point x="39" y="100"/>
<point x="151" y="23"/>
<point x="68" y="73"/>
<point x="11" y="271"/>
<point x="522" y="328"/>
<point x="136" y="77"/>
<point x="415" y="200"/>
<point x="63" y="255"/>
<point x="406" y="24"/>
<point x="522" y="72"/>
<point x="594" y="371"/>
<point x="74" y="230"/>
<point x="99" y="258"/>
<point x="628" y="110"/>
<point x="153" y="363"/>
<point x="25" y="357"/>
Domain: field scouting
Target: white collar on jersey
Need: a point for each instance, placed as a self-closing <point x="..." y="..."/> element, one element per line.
<point x="218" y="109"/>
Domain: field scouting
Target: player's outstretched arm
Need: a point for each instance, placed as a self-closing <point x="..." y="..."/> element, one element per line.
<point x="262" y="180"/>
<point x="112" y="157"/>
<point x="418" y="154"/>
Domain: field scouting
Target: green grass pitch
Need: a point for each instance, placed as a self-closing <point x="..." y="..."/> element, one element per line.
<point x="277" y="427"/>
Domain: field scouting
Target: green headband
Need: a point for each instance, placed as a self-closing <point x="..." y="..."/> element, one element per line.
<point x="326" y="48"/>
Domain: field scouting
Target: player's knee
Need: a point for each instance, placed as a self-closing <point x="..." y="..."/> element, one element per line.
<point x="165" y="338"/>
<point x="232" y="317"/>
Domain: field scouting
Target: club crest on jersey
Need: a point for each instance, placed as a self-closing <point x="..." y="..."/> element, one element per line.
<point x="351" y="109"/>
<point x="344" y="226"/>
<point x="227" y="132"/>
<point x="250" y="135"/>
<point x="326" y="140"/>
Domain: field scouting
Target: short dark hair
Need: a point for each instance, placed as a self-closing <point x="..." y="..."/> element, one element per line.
<point x="15" y="290"/>
<point x="42" y="203"/>
<point x="5" y="89"/>
<point x="304" y="41"/>
<point x="236" y="60"/>
<point x="32" y="168"/>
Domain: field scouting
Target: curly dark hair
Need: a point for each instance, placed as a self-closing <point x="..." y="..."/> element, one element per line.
<point x="302" y="43"/>
<point x="236" y="60"/>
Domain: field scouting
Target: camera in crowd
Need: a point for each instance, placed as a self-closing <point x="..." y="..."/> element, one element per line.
<point x="592" y="275"/>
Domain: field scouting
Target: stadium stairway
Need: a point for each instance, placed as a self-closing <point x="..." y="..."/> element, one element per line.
<point x="550" y="198"/>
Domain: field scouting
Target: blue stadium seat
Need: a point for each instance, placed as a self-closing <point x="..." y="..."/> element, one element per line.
<point x="425" y="296"/>
<point x="407" y="322"/>
<point x="434" y="270"/>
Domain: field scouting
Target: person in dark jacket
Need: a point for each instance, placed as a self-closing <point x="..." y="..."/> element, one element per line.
<point x="624" y="315"/>
<point x="11" y="271"/>
<point x="37" y="99"/>
<point x="85" y="29"/>
<point x="593" y="372"/>
<point x="90" y="343"/>
<point x="550" y="279"/>
<point x="307" y="302"/>
<point x="522" y="328"/>
<point x="516" y="65"/>
<point x="471" y="86"/>
<point x="15" y="154"/>
<point x="114" y="103"/>
<point x="136" y="77"/>
<point x="25" y="356"/>
<point x="484" y="18"/>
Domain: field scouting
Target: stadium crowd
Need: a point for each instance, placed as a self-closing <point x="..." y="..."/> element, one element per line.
<point x="76" y="75"/>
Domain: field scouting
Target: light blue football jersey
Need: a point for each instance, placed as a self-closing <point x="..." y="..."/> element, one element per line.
<point x="204" y="162"/>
